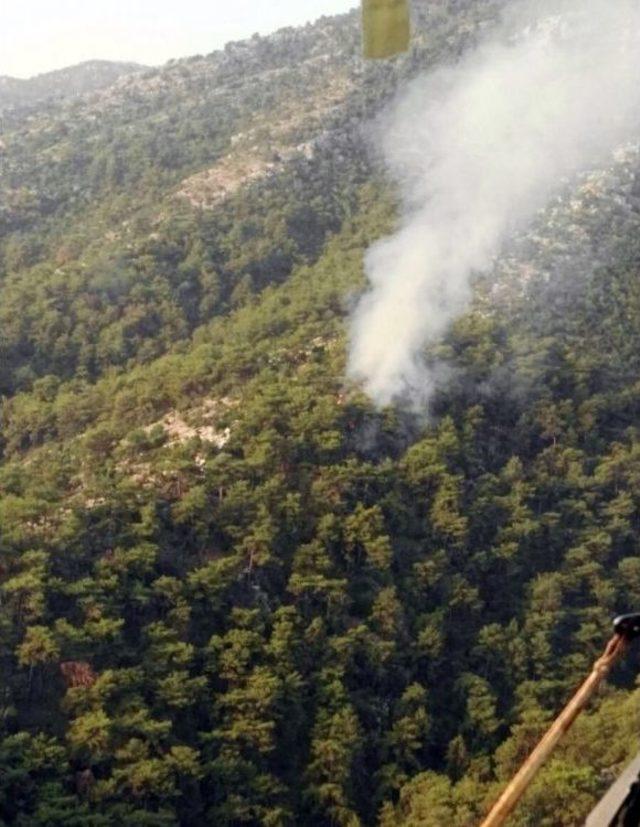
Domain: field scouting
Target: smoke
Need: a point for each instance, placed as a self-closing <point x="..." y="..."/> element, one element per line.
<point x="478" y="149"/>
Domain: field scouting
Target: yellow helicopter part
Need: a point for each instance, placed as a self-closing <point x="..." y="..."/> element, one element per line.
<point x="386" y="27"/>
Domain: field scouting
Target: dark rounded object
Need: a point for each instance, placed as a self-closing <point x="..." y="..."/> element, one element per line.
<point x="627" y="626"/>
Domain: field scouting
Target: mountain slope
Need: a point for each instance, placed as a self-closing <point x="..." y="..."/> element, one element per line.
<point x="70" y="82"/>
<point x="232" y="591"/>
<point x="126" y="183"/>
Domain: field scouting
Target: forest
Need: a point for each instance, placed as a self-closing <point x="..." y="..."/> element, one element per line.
<point x="232" y="591"/>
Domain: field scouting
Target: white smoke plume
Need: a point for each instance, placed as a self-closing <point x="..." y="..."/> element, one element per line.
<point x="478" y="149"/>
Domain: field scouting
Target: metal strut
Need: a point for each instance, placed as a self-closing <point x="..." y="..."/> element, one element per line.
<point x="626" y="628"/>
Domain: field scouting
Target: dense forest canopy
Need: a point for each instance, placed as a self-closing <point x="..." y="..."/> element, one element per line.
<point x="231" y="590"/>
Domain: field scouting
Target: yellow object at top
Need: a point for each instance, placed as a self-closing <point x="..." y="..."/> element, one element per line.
<point x="387" y="27"/>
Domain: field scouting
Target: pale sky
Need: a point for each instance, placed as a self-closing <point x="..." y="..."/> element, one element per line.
<point x="40" y="35"/>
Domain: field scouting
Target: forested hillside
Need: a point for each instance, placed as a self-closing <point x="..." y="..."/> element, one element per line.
<point x="231" y="590"/>
<point x="18" y="93"/>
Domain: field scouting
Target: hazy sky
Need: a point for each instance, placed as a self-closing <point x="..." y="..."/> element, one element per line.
<point x="39" y="35"/>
